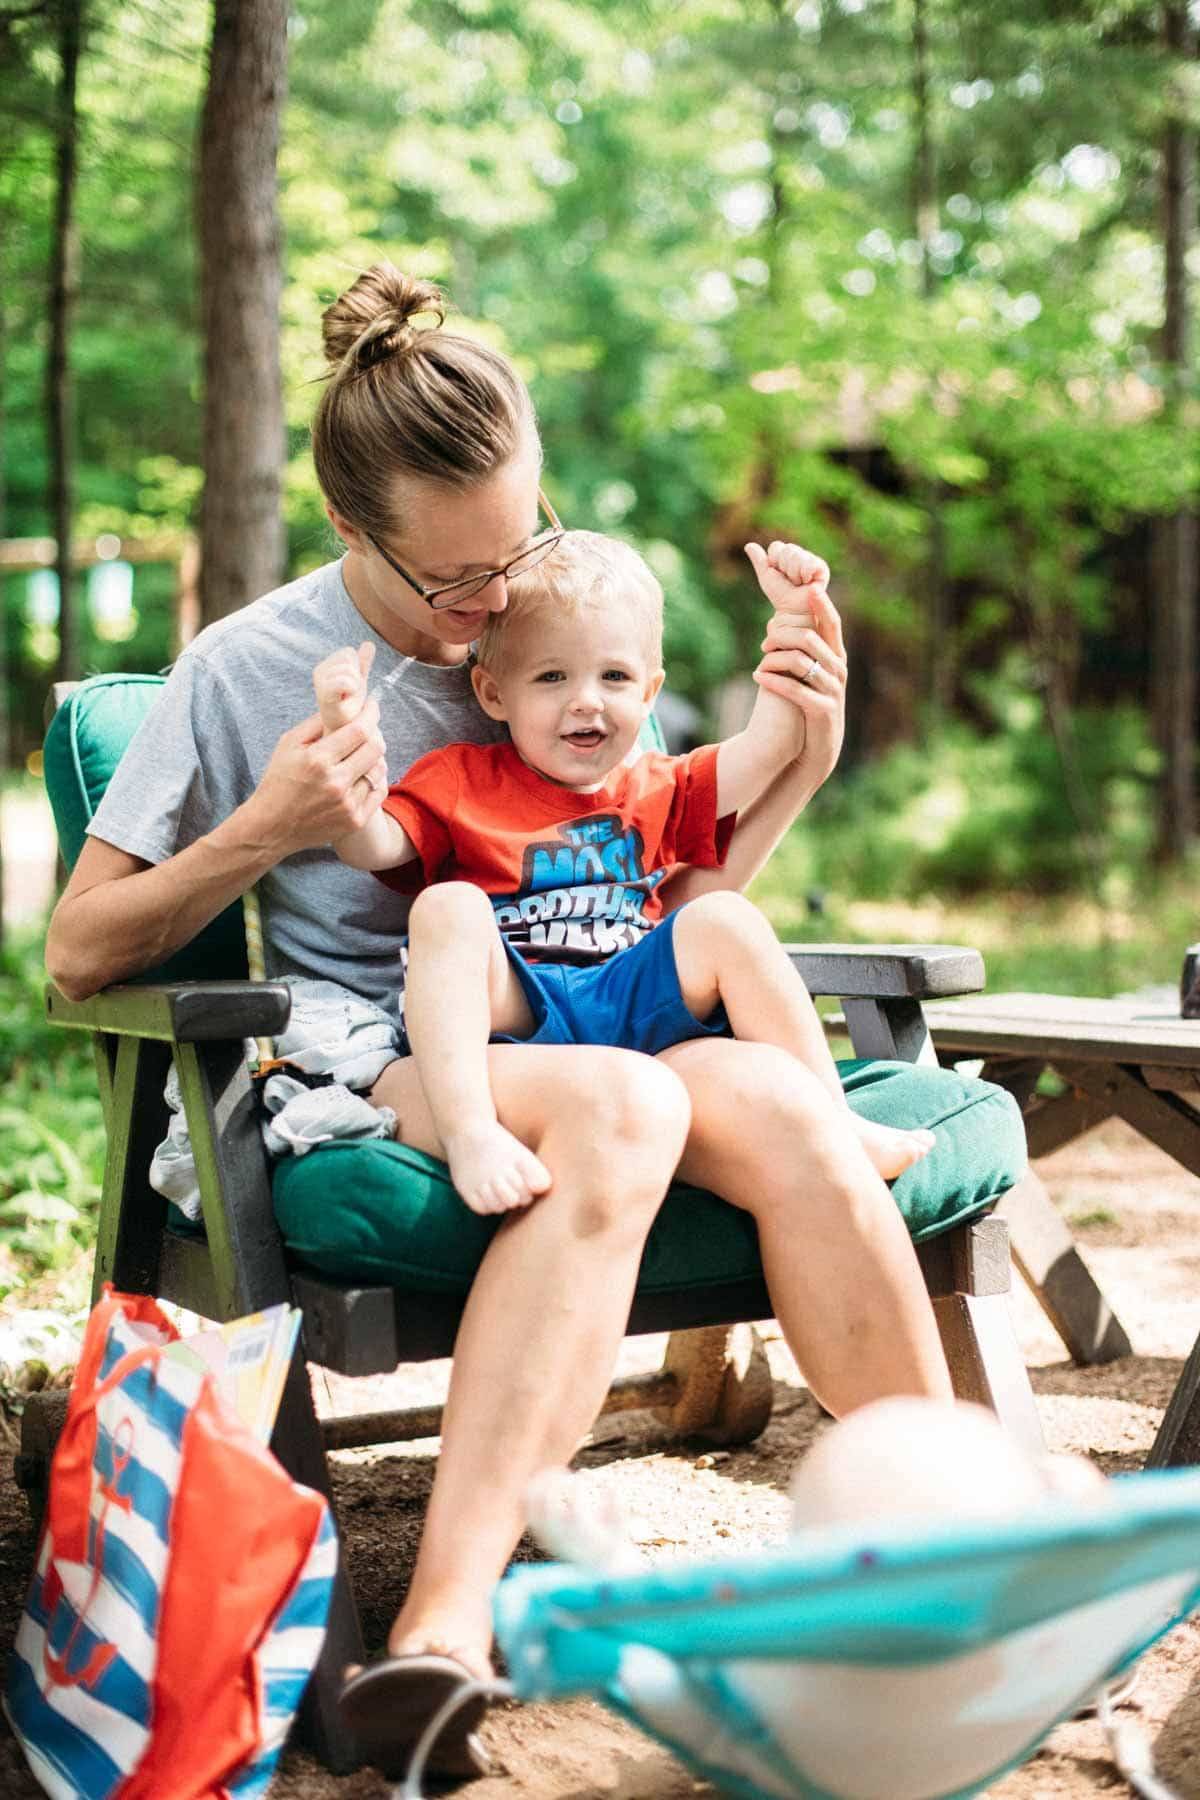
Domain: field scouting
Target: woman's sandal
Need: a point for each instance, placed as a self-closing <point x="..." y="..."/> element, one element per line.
<point x="388" y="1704"/>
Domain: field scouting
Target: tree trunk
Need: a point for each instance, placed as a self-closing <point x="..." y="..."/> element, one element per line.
<point x="4" y="733"/>
<point x="925" y="203"/>
<point x="241" y="243"/>
<point x="63" y="284"/>
<point x="939" y="688"/>
<point x="1175" y="559"/>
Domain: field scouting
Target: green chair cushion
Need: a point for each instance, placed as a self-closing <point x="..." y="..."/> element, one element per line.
<point x="86" y="740"/>
<point x="382" y="1212"/>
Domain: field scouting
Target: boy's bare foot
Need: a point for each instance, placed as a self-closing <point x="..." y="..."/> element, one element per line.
<point x="892" y="1151"/>
<point x="493" y="1171"/>
<point x="340" y="684"/>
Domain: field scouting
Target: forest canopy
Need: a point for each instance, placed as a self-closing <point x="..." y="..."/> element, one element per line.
<point x="886" y="275"/>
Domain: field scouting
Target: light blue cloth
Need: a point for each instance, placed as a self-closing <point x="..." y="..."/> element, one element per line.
<point x="880" y="1664"/>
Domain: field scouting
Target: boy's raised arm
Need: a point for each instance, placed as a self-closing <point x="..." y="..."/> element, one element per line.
<point x="750" y="761"/>
<point x="381" y="843"/>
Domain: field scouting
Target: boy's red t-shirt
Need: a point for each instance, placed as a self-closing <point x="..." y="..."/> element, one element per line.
<point x="572" y="877"/>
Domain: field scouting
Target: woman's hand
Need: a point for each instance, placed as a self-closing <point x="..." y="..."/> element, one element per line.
<point x="804" y="659"/>
<point x="319" y="786"/>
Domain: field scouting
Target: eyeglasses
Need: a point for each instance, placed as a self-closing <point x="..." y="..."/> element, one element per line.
<point x="455" y="592"/>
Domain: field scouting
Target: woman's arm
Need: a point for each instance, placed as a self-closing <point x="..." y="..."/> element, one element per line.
<point x="119" y="915"/>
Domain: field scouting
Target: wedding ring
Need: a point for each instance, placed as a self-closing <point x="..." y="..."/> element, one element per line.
<point x="813" y="662"/>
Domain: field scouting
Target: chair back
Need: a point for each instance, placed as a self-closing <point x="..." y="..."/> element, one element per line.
<point x="86" y="739"/>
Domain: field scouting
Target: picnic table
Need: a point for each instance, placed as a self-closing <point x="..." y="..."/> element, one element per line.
<point x="1132" y="1058"/>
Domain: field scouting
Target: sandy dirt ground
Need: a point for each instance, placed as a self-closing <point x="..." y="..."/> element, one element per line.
<point x="1136" y="1214"/>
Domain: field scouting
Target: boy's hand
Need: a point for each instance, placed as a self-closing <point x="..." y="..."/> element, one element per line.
<point x="340" y="683"/>
<point x="804" y="659"/>
<point x="790" y="577"/>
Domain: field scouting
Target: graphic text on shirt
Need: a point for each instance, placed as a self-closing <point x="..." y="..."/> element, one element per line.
<point x="583" y="893"/>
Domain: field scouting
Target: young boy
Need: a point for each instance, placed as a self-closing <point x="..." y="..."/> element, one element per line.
<point x="537" y="863"/>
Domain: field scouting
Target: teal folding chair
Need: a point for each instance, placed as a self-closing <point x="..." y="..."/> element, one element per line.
<point x="880" y="1664"/>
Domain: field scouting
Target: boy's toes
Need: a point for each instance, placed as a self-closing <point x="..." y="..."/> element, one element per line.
<point x="912" y="1146"/>
<point x="511" y="1190"/>
<point x="892" y="1151"/>
<point x="535" y="1174"/>
<point x="505" y="1193"/>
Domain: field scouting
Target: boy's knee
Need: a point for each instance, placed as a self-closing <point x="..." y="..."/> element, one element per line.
<point x="450" y="911"/>
<point x="724" y="918"/>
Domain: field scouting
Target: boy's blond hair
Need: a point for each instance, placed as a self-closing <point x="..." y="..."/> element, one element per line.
<point x="583" y="571"/>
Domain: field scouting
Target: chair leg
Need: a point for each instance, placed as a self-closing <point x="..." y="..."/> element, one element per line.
<point x="985" y="1361"/>
<point x="968" y="1272"/>
<point x="298" y="1444"/>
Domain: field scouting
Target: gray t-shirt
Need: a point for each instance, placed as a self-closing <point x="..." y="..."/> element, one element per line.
<point x="205" y="743"/>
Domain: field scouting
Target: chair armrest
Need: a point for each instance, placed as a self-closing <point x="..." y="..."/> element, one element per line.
<point x="186" y="1012"/>
<point x="888" y="971"/>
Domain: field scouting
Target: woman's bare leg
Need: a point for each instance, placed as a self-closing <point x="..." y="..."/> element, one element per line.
<point x="840" y="1266"/>
<point x="546" y="1312"/>
<point x="460" y="988"/>
<point x="727" y="951"/>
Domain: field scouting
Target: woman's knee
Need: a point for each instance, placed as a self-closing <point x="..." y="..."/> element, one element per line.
<point x="450" y="911"/>
<point x="623" y="1121"/>
<point x="757" y="1116"/>
<point x="778" y="1138"/>
<point x="635" y="1102"/>
<point x="651" y="1106"/>
<point x="759" y="1089"/>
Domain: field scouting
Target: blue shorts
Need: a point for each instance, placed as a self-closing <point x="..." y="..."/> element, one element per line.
<point x="631" y="1000"/>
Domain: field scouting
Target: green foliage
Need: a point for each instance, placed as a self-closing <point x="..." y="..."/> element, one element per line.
<point x="1055" y="944"/>
<point x="969" y="811"/>
<point x="692" y="225"/>
<point x="51" y="1128"/>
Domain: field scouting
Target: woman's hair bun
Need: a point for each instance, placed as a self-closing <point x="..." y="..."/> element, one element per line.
<point x="371" y="320"/>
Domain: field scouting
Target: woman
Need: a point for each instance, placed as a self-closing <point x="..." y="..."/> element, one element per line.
<point x="427" y="452"/>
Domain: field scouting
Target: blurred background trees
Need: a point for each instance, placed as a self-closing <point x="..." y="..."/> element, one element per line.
<point x="904" y="278"/>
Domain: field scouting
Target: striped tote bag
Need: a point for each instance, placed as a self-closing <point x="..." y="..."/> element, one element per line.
<point x="182" y="1585"/>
